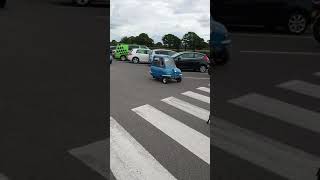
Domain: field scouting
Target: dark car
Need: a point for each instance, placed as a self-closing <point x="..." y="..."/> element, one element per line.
<point x="87" y="2"/>
<point x="294" y="15"/>
<point x="191" y="61"/>
<point x="2" y="3"/>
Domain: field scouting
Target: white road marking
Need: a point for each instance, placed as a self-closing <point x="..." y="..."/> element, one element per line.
<point x="93" y="155"/>
<point x="283" y="53"/>
<point x="129" y="160"/>
<point x="189" y="138"/>
<point x="302" y="88"/>
<point x="197" y="96"/>
<point x="3" y="177"/>
<point x="271" y="35"/>
<point x="188" y="108"/>
<point x="286" y="112"/>
<point x="205" y="89"/>
<point x="195" y="78"/>
<point x="286" y="161"/>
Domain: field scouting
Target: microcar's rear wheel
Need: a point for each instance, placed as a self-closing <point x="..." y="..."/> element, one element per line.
<point x="179" y="80"/>
<point x="164" y="80"/>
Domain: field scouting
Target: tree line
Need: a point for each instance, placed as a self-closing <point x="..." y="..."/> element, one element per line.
<point x="189" y="41"/>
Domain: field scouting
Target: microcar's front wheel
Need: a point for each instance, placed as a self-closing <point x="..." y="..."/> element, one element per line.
<point x="165" y="80"/>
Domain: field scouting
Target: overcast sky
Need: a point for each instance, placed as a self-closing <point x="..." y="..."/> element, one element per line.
<point x="159" y="17"/>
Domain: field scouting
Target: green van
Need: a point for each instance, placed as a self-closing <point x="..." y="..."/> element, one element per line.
<point x="122" y="50"/>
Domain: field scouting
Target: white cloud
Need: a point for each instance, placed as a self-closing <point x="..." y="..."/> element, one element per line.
<point x="160" y="17"/>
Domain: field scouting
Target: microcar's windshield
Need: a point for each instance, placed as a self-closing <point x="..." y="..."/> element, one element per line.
<point x="169" y="62"/>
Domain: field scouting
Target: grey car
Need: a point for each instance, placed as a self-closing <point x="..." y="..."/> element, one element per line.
<point x="161" y="52"/>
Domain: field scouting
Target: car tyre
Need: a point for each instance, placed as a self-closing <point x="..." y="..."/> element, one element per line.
<point x="164" y="80"/>
<point x="81" y="2"/>
<point x="297" y="23"/>
<point x="203" y="69"/>
<point x="179" y="80"/>
<point x="135" y="60"/>
<point x="123" y="58"/>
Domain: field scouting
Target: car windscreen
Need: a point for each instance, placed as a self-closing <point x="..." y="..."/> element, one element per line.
<point x="169" y="62"/>
<point x="175" y="55"/>
<point x="171" y="53"/>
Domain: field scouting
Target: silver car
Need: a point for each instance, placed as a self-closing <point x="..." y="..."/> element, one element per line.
<point x="161" y="52"/>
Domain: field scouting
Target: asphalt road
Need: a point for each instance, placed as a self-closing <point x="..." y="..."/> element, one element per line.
<point x="53" y="88"/>
<point x="267" y="109"/>
<point x="132" y="92"/>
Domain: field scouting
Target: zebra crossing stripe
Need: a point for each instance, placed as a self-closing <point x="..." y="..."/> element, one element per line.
<point x="286" y="112"/>
<point x="205" y="89"/>
<point x="302" y="88"/>
<point x="129" y="160"/>
<point x="189" y="138"/>
<point x="286" y="161"/>
<point x="188" y="108"/>
<point x="197" y="96"/>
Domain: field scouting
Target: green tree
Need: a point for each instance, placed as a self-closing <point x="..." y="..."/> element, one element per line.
<point x="113" y="43"/>
<point x="171" y="41"/>
<point x="192" y="41"/>
<point x="158" y="44"/>
<point x="128" y="40"/>
<point x="144" y="39"/>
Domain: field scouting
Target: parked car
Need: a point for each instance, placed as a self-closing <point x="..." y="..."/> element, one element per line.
<point x="139" y="55"/>
<point x="220" y="43"/>
<point x="2" y="3"/>
<point x="191" y="61"/>
<point x="111" y="58"/>
<point x="87" y="2"/>
<point x="112" y="50"/>
<point x="164" y="68"/>
<point x="316" y="20"/>
<point x="122" y="50"/>
<point x="294" y="15"/>
<point x="160" y="51"/>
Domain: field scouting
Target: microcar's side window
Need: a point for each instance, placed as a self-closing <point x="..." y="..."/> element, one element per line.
<point x="156" y="62"/>
<point x="161" y="63"/>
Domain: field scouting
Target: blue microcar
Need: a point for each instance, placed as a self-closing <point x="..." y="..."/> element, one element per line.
<point x="164" y="68"/>
<point x="220" y="42"/>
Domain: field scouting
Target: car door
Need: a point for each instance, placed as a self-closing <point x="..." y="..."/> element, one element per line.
<point x="198" y="60"/>
<point x="262" y="8"/>
<point x="145" y="55"/>
<point x="187" y="60"/>
<point x="155" y="67"/>
<point x="232" y="11"/>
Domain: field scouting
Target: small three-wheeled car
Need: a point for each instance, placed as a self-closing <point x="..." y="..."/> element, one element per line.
<point x="164" y="68"/>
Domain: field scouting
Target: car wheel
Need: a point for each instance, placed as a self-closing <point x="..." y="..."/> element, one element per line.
<point x="164" y="80"/>
<point x="123" y="58"/>
<point x="203" y="69"/>
<point x="297" y="23"/>
<point x="135" y="60"/>
<point x="81" y="2"/>
<point x="179" y="80"/>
